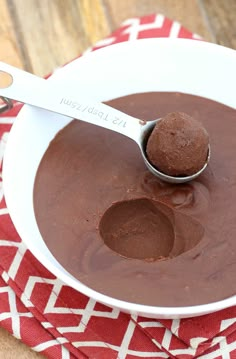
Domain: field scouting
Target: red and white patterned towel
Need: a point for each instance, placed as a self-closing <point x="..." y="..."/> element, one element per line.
<point x="62" y="323"/>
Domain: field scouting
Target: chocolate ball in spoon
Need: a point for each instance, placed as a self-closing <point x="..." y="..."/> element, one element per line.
<point x="178" y="145"/>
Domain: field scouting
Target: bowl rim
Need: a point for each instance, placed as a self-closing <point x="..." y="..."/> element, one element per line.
<point x="67" y="278"/>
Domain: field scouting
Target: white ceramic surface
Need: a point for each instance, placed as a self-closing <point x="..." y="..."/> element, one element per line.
<point x="188" y="66"/>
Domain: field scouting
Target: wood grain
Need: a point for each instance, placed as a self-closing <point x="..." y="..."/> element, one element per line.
<point x="56" y="31"/>
<point x="188" y="13"/>
<point x="11" y="348"/>
<point x="9" y="50"/>
<point x="221" y="18"/>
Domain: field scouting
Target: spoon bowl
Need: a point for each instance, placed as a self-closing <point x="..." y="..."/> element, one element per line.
<point x="144" y="135"/>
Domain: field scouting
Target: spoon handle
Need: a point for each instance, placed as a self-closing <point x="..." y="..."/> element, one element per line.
<point x="36" y="91"/>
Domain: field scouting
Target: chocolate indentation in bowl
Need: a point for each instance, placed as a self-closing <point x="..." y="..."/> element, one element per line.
<point x="148" y="230"/>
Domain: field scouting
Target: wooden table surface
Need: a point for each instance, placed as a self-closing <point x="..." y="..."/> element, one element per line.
<point x="39" y="35"/>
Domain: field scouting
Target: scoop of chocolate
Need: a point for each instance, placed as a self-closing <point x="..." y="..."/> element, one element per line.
<point x="178" y="145"/>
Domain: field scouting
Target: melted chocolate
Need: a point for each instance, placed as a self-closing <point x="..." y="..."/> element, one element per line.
<point x="93" y="194"/>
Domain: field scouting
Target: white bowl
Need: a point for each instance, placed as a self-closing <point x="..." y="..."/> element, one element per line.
<point x="187" y="66"/>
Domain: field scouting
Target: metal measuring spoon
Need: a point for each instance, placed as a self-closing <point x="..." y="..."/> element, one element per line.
<point x="36" y="91"/>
